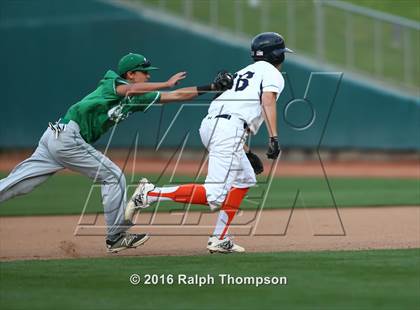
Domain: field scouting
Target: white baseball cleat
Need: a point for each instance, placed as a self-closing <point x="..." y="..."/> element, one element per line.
<point x="225" y="246"/>
<point x="139" y="199"/>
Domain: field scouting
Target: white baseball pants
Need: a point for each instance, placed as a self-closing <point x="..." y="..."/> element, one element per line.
<point x="228" y="165"/>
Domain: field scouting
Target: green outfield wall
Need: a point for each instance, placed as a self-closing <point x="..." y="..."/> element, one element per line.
<point x="54" y="52"/>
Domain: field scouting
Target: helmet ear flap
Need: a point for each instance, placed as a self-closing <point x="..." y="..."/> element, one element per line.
<point x="277" y="56"/>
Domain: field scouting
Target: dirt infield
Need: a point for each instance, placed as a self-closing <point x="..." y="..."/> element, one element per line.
<point x="43" y="237"/>
<point x="46" y="237"/>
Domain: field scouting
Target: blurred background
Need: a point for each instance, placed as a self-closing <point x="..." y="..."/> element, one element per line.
<point x="363" y="100"/>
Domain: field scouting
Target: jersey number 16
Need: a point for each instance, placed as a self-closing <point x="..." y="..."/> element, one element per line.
<point x="243" y="80"/>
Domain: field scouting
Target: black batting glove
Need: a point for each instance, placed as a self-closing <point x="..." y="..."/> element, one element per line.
<point x="223" y="81"/>
<point x="273" y="148"/>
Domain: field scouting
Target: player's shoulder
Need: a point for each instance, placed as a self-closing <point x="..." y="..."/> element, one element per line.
<point x="266" y="68"/>
<point x="112" y="77"/>
<point x="263" y="64"/>
<point x="258" y="67"/>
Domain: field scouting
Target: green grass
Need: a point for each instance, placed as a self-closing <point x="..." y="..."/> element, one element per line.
<point x="336" y="37"/>
<point x="380" y="279"/>
<point x="67" y="194"/>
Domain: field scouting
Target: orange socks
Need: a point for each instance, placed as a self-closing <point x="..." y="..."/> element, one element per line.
<point x="229" y="208"/>
<point x="196" y="194"/>
<point x="188" y="193"/>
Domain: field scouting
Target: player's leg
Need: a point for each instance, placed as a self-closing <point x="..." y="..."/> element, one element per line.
<point x="220" y="241"/>
<point x="223" y="141"/>
<point x="186" y="193"/>
<point x="222" y="171"/>
<point x="74" y="153"/>
<point x="228" y="210"/>
<point x="244" y="180"/>
<point x="30" y="173"/>
<point x="146" y="194"/>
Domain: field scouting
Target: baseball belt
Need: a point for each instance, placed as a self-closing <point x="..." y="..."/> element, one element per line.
<point x="57" y="127"/>
<point x="228" y="116"/>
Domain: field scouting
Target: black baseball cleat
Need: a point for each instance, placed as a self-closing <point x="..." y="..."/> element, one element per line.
<point x="126" y="241"/>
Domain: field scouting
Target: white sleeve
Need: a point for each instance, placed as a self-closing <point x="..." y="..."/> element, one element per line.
<point x="272" y="80"/>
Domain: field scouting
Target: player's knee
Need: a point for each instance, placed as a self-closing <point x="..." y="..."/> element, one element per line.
<point x="121" y="182"/>
<point x="116" y="176"/>
<point x="216" y="194"/>
<point x="216" y="201"/>
<point x="214" y="206"/>
<point x="248" y="181"/>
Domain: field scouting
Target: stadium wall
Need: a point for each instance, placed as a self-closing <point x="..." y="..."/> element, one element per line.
<point x="55" y="52"/>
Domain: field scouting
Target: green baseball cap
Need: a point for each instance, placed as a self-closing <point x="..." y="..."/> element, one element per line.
<point x="134" y="62"/>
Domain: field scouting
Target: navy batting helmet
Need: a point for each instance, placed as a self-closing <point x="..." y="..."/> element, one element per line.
<point x="269" y="46"/>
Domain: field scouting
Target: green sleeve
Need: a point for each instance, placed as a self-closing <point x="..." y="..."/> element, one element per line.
<point x="118" y="81"/>
<point x="142" y="102"/>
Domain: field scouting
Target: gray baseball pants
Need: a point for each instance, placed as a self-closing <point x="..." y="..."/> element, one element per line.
<point x="69" y="150"/>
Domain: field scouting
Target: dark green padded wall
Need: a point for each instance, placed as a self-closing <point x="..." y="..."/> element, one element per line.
<point x="54" y="52"/>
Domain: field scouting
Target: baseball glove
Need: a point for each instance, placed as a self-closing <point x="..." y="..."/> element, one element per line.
<point x="223" y="80"/>
<point x="255" y="161"/>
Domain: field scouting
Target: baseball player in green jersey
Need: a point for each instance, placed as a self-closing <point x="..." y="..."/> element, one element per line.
<point x="67" y="143"/>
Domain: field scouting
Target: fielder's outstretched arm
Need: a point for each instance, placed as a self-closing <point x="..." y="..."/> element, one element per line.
<point x="186" y="93"/>
<point x="222" y="82"/>
<point x="141" y="88"/>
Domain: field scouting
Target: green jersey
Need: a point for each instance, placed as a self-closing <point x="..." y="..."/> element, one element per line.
<point x="104" y="107"/>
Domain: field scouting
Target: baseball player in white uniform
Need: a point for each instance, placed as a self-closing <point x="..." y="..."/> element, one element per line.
<point x="233" y="115"/>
